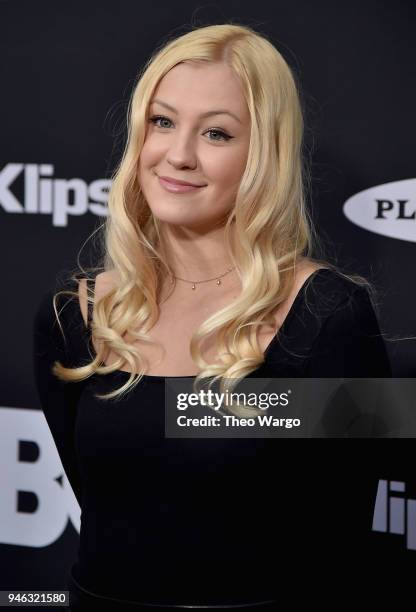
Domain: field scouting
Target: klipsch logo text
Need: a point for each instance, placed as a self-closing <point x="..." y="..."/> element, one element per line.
<point x="394" y="513"/>
<point x="42" y="194"/>
<point x="389" y="209"/>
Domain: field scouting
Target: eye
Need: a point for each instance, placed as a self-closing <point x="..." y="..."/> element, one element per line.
<point x="156" y="118"/>
<point x="221" y="133"/>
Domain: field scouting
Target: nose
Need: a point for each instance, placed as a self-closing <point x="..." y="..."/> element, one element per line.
<point x="181" y="152"/>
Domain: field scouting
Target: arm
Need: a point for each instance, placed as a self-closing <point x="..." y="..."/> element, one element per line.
<point x="349" y="344"/>
<point x="58" y="399"/>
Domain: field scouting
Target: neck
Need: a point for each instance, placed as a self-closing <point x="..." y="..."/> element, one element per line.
<point x="196" y="256"/>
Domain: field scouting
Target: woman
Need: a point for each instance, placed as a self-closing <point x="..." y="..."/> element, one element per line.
<point x="207" y="271"/>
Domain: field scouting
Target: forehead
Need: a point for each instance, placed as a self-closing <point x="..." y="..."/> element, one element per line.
<point x="199" y="86"/>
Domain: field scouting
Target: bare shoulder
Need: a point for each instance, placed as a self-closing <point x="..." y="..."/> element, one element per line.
<point x="104" y="282"/>
<point x="304" y="269"/>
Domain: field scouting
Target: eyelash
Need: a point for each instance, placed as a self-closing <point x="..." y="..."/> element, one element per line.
<point x="225" y="136"/>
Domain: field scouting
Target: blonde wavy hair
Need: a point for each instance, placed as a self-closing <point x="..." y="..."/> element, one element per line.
<point x="272" y="226"/>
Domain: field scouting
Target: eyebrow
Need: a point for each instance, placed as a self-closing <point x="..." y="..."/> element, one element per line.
<point x="202" y="115"/>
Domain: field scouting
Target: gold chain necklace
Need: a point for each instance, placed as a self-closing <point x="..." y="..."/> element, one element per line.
<point x="194" y="283"/>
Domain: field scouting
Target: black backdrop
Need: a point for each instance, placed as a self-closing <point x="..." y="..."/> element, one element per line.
<point x="67" y="70"/>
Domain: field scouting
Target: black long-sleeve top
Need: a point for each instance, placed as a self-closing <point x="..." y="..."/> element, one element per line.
<point x="213" y="520"/>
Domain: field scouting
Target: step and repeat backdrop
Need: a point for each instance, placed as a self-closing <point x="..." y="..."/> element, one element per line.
<point x="67" y="71"/>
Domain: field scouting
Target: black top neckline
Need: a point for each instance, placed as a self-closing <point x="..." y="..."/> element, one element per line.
<point x="291" y="313"/>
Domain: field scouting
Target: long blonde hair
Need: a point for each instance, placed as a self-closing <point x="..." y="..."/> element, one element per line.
<point x="272" y="226"/>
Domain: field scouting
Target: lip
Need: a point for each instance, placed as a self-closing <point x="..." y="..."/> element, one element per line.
<point x="178" y="182"/>
<point x="175" y="187"/>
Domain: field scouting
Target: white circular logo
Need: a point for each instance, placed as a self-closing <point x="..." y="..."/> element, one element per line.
<point x="389" y="209"/>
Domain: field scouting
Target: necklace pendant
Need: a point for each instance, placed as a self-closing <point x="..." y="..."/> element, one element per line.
<point x="193" y="286"/>
<point x="218" y="282"/>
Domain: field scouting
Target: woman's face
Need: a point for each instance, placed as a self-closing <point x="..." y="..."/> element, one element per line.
<point x="182" y="144"/>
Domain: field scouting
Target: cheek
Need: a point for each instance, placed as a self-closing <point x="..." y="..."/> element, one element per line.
<point x="146" y="162"/>
<point x="153" y="149"/>
<point x="146" y="155"/>
<point x="229" y="170"/>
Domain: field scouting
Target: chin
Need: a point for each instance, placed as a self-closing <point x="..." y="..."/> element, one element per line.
<point x="186" y="221"/>
<point x="173" y="217"/>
